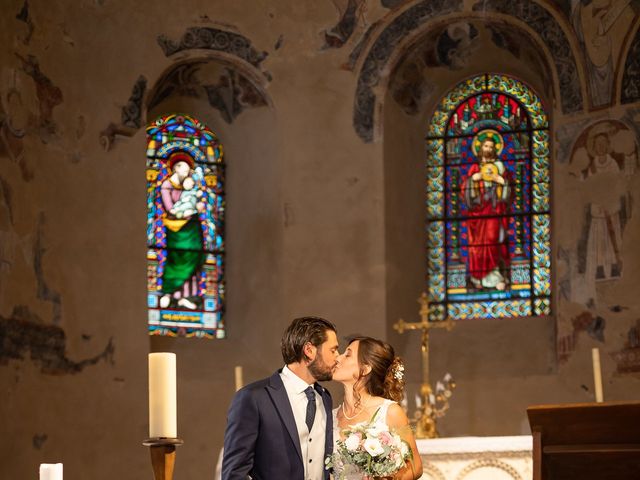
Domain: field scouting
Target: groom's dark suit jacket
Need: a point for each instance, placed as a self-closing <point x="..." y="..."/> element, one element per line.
<point x="261" y="439"/>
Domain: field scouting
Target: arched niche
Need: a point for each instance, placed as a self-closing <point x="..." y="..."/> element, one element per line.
<point x="445" y="55"/>
<point x="230" y="98"/>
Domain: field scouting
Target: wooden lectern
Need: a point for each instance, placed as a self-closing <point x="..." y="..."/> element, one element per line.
<point x="586" y="441"/>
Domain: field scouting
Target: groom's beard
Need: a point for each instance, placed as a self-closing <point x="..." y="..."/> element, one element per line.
<point x="320" y="370"/>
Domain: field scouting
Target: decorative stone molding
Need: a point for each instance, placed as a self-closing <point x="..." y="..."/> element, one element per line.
<point x="408" y="22"/>
<point x="462" y="458"/>
<point x="210" y="38"/>
<point x="130" y="116"/>
<point x="492" y="463"/>
<point x="630" y="91"/>
<point x="380" y="53"/>
<point x="544" y="23"/>
<point x="132" y="111"/>
<point x="195" y="38"/>
<point x="433" y="472"/>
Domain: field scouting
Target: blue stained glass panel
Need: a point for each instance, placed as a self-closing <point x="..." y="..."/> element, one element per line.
<point x="488" y="193"/>
<point x="185" y="229"/>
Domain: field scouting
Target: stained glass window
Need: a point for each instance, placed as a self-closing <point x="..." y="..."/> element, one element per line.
<point x="488" y="189"/>
<point x="185" y="229"/>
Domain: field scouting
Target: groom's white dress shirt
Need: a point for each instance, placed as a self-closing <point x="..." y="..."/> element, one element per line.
<point x="311" y="443"/>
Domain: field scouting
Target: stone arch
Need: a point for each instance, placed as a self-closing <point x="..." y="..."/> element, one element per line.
<point x="197" y="48"/>
<point x="628" y="83"/>
<point x="489" y="463"/>
<point x="401" y="31"/>
<point x="215" y="40"/>
<point x="432" y="471"/>
<point x="228" y="84"/>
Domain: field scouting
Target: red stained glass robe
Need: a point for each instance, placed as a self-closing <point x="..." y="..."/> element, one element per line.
<point x="487" y="228"/>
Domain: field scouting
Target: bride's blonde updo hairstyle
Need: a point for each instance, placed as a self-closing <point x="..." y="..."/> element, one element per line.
<point x="386" y="378"/>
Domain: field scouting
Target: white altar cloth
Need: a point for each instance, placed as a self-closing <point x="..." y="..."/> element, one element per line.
<point x="477" y="458"/>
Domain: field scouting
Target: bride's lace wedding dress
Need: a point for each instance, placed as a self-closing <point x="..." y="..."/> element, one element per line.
<point x="348" y="472"/>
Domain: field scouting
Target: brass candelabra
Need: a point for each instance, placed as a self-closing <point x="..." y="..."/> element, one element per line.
<point x="430" y="404"/>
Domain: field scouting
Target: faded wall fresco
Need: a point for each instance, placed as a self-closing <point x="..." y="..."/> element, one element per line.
<point x="322" y="108"/>
<point x="628" y="358"/>
<point x="601" y="28"/>
<point x="605" y="157"/>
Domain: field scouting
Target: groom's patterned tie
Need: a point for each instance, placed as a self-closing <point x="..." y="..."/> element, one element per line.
<point x="311" y="406"/>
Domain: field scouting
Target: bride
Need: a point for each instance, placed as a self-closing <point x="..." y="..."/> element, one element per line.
<point x="372" y="377"/>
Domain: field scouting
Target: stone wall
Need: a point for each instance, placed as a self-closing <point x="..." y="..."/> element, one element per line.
<point x="322" y="108"/>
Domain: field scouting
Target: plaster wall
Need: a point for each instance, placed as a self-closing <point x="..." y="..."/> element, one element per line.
<point x="318" y="222"/>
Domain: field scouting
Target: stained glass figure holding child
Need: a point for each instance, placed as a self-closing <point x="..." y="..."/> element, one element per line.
<point x="181" y="199"/>
<point x="485" y="192"/>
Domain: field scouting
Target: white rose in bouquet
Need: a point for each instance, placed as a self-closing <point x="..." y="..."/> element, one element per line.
<point x="353" y="442"/>
<point x="373" y="447"/>
<point x="369" y="449"/>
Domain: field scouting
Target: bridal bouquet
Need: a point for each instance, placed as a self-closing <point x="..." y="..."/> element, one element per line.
<point x="369" y="449"/>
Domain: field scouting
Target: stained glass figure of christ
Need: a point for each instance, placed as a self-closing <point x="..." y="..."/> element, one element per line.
<point x="488" y="188"/>
<point x="185" y="220"/>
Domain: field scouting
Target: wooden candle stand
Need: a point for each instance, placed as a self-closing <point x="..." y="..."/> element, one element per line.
<point x="163" y="456"/>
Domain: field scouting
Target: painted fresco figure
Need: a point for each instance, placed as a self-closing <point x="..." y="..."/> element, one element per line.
<point x="604" y="238"/>
<point x="600" y="27"/>
<point x="605" y="157"/>
<point x="485" y="192"/>
<point x="184" y="233"/>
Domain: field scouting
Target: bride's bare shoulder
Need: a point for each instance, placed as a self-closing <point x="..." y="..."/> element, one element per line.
<point x="396" y="416"/>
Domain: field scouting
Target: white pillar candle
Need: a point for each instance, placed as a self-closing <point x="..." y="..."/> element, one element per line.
<point x="597" y="374"/>
<point x="50" y="471"/>
<point x="238" y="375"/>
<point x="162" y="395"/>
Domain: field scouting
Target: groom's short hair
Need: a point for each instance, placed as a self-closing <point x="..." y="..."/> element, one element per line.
<point x="301" y="331"/>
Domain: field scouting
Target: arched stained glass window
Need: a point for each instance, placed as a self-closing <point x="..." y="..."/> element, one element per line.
<point x="488" y="189"/>
<point x="185" y="228"/>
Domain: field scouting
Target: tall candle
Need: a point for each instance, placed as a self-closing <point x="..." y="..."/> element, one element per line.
<point x="50" y="471"/>
<point x="238" y="375"/>
<point x="162" y="395"/>
<point x="597" y="374"/>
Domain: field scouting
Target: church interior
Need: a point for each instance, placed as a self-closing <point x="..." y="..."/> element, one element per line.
<point x="338" y="133"/>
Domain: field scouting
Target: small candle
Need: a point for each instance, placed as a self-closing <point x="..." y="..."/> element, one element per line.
<point x="50" y="471"/>
<point x="418" y="401"/>
<point x="238" y="376"/>
<point x="162" y="395"/>
<point x="597" y="374"/>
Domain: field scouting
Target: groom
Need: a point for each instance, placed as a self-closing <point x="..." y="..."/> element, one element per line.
<point x="280" y="428"/>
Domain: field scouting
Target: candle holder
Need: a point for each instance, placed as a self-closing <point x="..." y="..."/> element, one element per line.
<point x="163" y="456"/>
<point x="432" y="406"/>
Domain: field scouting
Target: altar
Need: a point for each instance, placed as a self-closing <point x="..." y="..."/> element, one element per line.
<point x="477" y="458"/>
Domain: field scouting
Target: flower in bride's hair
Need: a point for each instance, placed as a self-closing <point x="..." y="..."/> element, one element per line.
<point x="373" y="447"/>
<point x="352" y="442"/>
<point x="398" y="371"/>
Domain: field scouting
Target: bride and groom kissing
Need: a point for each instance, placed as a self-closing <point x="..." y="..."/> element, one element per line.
<point x="284" y="427"/>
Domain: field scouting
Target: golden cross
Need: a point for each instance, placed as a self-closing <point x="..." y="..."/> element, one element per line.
<point x="425" y="325"/>
<point x="425" y="417"/>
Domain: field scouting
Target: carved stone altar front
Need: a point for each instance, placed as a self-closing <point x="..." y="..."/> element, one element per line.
<point x="477" y="458"/>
